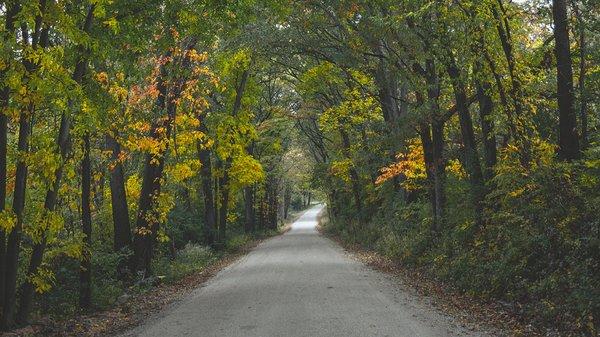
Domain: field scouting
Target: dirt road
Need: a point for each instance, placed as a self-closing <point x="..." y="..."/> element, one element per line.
<point x="301" y="284"/>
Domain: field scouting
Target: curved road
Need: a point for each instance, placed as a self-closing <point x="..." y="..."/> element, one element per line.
<point x="301" y="284"/>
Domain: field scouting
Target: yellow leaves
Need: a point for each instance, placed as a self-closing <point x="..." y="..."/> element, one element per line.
<point x="197" y="57"/>
<point x="133" y="186"/>
<point x="162" y="236"/>
<point x="43" y="279"/>
<point x="181" y="172"/>
<point x="44" y="163"/>
<point x="455" y="167"/>
<point x="164" y="204"/>
<point x="118" y="92"/>
<point x="341" y="169"/>
<point x="8" y="220"/>
<point x="147" y="144"/>
<point x="46" y="223"/>
<point x="113" y="24"/>
<point x="245" y="171"/>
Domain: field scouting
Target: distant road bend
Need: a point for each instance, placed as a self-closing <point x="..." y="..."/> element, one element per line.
<point x="301" y="284"/>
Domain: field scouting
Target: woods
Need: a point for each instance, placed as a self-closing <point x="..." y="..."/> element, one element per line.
<point x="455" y="137"/>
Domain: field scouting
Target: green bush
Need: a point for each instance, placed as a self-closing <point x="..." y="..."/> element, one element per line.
<point x="192" y="258"/>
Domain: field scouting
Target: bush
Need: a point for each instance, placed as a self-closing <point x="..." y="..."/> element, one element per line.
<point x="192" y="258"/>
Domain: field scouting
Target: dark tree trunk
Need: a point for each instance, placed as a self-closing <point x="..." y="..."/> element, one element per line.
<point x="9" y="30"/>
<point x="249" y="209"/>
<point x="224" y="180"/>
<point x="147" y="223"/>
<point x="439" y="166"/>
<point x="14" y="237"/>
<point x="487" y="128"/>
<point x="261" y="210"/>
<point x="207" y="187"/>
<point x="287" y="198"/>
<point x="147" y="219"/>
<point x="568" y="140"/>
<point x="38" y="40"/>
<point x="471" y="156"/>
<point x="504" y="33"/>
<point x="519" y="125"/>
<point x="85" y="275"/>
<point x="354" y="178"/>
<point x="272" y="204"/>
<point x="63" y="140"/>
<point x="583" y="99"/>
<point x="437" y="162"/>
<point x="223" y="204"/>
<point x="120" y="208"/>
<point x="427" y="143"/>
<point x="249" y="220"/>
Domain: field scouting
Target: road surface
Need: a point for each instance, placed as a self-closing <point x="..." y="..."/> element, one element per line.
<point x="301" y="284"/>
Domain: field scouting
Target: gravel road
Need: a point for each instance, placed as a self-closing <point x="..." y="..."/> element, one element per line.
<point x="301" y="284"/>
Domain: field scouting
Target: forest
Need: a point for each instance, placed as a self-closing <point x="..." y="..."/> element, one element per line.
<point x="141" y="141"/>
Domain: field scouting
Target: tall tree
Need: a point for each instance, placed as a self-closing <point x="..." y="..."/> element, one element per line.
<point x="568" y="139"/>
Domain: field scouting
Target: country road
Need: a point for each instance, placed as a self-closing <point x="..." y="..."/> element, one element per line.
<point x="301" y="284"/>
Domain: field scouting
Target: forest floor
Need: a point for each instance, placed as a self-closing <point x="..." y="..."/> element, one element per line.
<point x="303" y="284"/>
<point x="472" y="313"/>
<point x="136" y="309"/>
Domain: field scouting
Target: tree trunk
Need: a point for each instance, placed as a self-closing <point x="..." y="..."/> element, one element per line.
<point x="120" y="208"/>
<point x="583" y="99"/>
<point x="427" y="143"/>
<point x="272" y="204"/>
<point x="249" y="209"/>
<point x="261" y="210"/>
<point x="439" y="173"/>
<point x="437" y="162"/>
<point x="471" y="156"/>
<point x="85" y="275"/>
<point x="207" y="187"/>
<point x="520" y="128"/>
<point x="147" y="219"/>
<point x="487" y="129"/>
<point x="14" y="237"/>
<point x="249" y="221"/>
<point x="38" y="40"/>
<point x="354" y="178"/>
<point x="63" y="140"/>
<point x="568" y="140"/>
<point x="147" y="223"/>
<point x="223" y="204"/>
<point x="287" y="198"/>
<point x="9" y="30"/>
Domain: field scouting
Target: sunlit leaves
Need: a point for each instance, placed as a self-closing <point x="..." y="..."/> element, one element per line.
<point x="410" y="165"/>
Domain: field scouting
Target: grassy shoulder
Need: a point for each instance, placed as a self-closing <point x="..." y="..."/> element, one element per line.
<point x="175" y="276"/>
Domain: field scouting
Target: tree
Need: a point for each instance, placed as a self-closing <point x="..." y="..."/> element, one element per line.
<point x="568" y="139"/>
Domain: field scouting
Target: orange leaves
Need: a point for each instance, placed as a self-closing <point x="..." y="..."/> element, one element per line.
<point x="410" y="164"/>
<point x="102" y="78"/>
